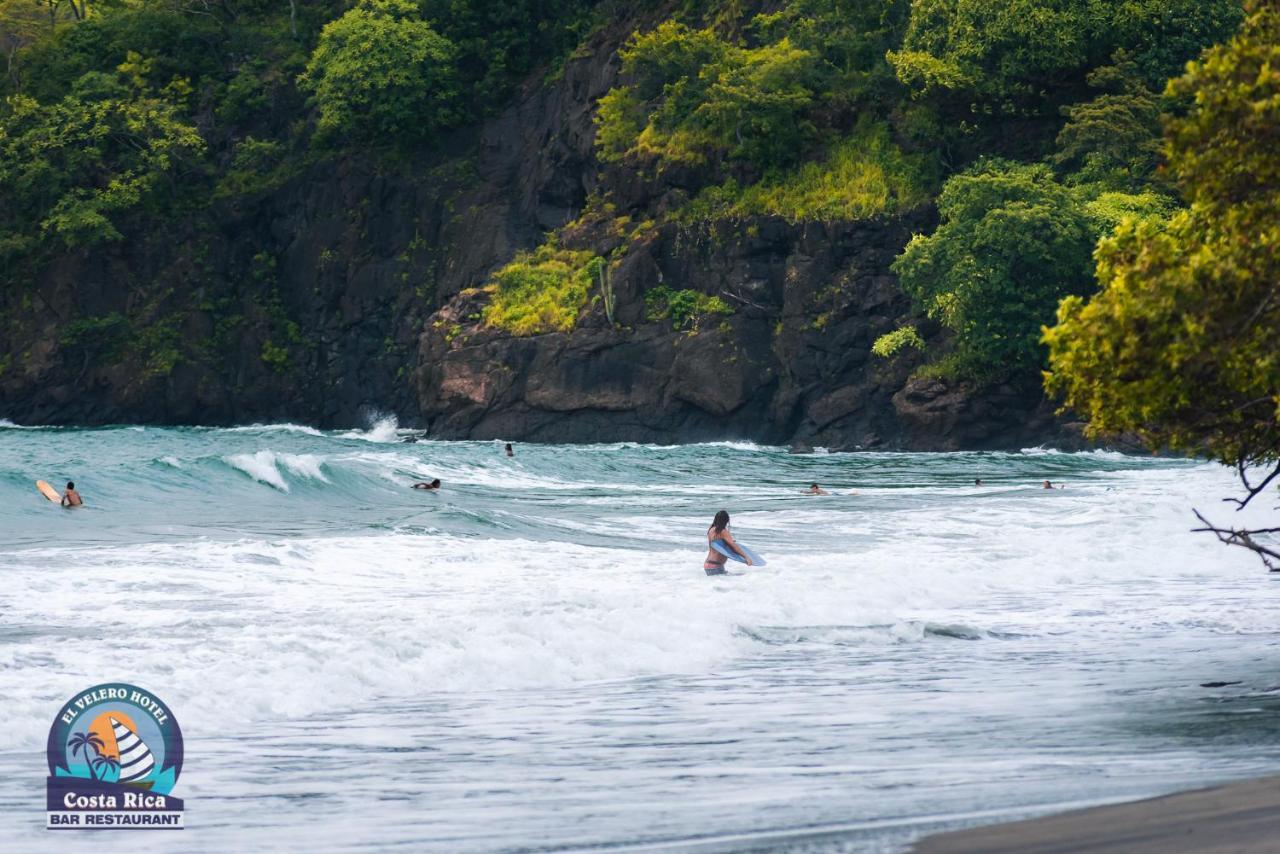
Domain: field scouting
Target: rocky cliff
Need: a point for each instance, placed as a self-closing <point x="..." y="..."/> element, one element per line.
<point x="354" y="287"/>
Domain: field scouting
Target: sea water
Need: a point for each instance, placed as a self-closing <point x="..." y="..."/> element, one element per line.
<point x="533" y="658"/>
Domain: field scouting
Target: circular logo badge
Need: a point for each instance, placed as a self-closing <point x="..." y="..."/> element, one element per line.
<point x="119" y="735"/>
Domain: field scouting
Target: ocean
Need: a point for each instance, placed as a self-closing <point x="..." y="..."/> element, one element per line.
<point x="533" y="659"/>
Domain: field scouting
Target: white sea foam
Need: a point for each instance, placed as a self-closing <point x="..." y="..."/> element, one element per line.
<point x="535" y="663"/>
<point x="383" y="429"/>
<point x="266" y="428"/>
<point x="265" y="467"/>
<point x="260" y="466"/>
<point x="305" y="465"/>
<point x="350" y="617"/>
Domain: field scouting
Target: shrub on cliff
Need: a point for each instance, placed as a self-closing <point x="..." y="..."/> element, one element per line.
<point x="1180" y="346"/>
<point x="863" y="175"/>
<point x="70" y="169"/>
<point x="498" y="43"/>
<point x="684" y="307"/>
<point x="381" y="74"/>
<point x="541" y="291"/>
<point x="987" y="57"/>
<point x="1012" y="243"/>
<point x="692" y="96"/>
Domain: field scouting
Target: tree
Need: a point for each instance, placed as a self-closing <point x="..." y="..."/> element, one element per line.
<point x="20" y="23"/>
<point x="104" y="764"/>
<point x="500" y="42"/>
<point x="692" y="95"/>
<point x="380" y="73"/>
<point x="68" y="169"/>
<point x="850" y="37"/>
<point x="999" y="52"/>
<point x="1180" y="346"/>
<point x="83" y="742"/>
<point x="1022" y="57"/>
<point x="1113" y="140"/>
<point x="1012" y="243"/>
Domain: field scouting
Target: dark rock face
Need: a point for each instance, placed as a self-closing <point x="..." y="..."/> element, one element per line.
<point x="791" y="365"/>
<point x="351" y="289"/>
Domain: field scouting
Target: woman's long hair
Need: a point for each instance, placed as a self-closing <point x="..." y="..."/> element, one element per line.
<point x="721" y="521"/>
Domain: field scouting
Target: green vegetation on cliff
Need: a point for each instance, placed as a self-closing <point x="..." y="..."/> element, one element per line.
<point x="1070" y="90"/>
<point x="125" y="111"/>
<point x="1033" y="126"/>
<point x="68" y="169"/>
<point x="541" y="291"/>
<point x="862" y="176"/>
<point x="1180" y="346"/>
<point x="1012" y="243"/>
<point x="381" y="72"/>
<point x="685" y="308"/>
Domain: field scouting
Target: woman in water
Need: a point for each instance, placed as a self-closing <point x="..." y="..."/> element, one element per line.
<point x="719" y="530"/>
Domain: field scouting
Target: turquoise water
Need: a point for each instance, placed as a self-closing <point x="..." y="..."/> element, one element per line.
<point x="533" y="658"/>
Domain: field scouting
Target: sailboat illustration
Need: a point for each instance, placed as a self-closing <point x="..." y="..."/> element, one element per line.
<point x="136" y="760"/>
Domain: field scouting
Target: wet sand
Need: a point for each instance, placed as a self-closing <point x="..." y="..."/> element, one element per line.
<point x="1241" y="818"/>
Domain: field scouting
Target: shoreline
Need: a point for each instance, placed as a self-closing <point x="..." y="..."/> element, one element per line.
<point x="1242" y="818"/>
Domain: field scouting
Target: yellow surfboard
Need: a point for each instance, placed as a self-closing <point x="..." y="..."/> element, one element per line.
<point x="48" y="491"/>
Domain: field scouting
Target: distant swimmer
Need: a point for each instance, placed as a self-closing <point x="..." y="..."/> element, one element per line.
<point x="977" y="481"/>
<point x="71" y="498"/>
<point x="1048" y="485"/>
<point x="719" y="530"/>
<point x="814" y="489"/>
<point x="510" y="452"/>
<point x="433" y="485"/>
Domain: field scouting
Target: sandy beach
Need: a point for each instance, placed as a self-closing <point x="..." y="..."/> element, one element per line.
<point x="1241" y="818"/>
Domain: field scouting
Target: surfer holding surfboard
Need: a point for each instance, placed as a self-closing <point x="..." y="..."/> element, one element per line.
<point x="70" y="498"/>
<point x="721" y="547"/>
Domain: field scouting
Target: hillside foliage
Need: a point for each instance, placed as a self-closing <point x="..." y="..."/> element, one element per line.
<point x="1034" y="126"/>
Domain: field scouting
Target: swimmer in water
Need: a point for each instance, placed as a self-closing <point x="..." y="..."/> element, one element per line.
<point x="814" y="489"/>
<point x="433" y="485"/>
<point x="71" y="498"/>
<point x="719" y="530"/>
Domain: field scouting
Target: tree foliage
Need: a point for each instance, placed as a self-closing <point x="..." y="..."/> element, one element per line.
<point x="1026" y="56"/>
<point x="850" y="38"/>
<point x="1114" y="139"/>
<point x="499" y="43"/>
<point x="1012" y="243"/>
<point x="380" y="72"/>
<point x="68" y="170"/>
<point x="1181" y="345"/>
<point x="693" y="95"/>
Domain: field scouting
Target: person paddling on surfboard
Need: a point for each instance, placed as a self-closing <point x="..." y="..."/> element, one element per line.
<point x="71" y="498"/>
<point x="719" y="530"/>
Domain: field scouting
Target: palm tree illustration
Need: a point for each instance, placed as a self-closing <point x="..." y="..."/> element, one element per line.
<point x="84" y="741"/>
<point x="110" y="763"/>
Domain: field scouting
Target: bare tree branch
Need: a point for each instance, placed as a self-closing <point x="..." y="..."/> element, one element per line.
<point x="1244" y="538"/>
<point x="1242" y="469"/>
